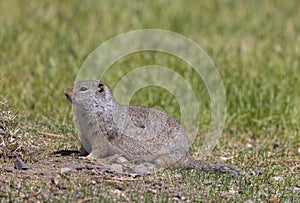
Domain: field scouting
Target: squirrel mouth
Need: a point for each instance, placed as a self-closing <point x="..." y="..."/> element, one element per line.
<point x="68" y="95"/>
<point x="69" y="98"/>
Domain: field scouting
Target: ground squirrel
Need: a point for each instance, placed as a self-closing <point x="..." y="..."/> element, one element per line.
<point x="135" y="132"/>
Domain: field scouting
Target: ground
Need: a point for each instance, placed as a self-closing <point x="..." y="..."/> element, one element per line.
<point x="255" y="46"/>
<point x="272" y="173"/>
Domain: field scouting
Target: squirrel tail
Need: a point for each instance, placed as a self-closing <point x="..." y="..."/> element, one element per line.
<point x="217" y="167"/>
<point x="191" y="163"/>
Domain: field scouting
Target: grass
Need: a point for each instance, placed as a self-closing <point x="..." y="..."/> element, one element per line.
<point x="254" y="44"/>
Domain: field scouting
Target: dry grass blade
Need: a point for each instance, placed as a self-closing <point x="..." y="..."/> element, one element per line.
<point x="55" y="135"/>
<point x="87" y="199"/>
<point x="29" y="196"/>
<point x="117" y="179"/>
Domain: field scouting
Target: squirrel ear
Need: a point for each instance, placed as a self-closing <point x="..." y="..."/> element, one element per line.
<point x="101" y="87"/>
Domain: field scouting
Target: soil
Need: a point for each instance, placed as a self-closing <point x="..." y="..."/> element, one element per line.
<point x="65" y="176"/>
<point x="62" y="175"/>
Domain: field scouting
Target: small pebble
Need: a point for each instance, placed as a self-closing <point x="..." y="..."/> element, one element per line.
<point x="179" y="195"/>
<point x="89" y="167"/>
<point x="277" y="178"/>
<point x="140" y="169"/>
<point x="116" y="167"/>
<point x="157" y="185"/>
<point x="276" y="144"/>
<point x="176" y="199"/>
<point x="134" y="175"/>
<point x="65" y="170"/>
<point x="119" y="187"/>
<point x="152" y="191"/>
<point x="147" y="181"/>
<point x="208" y="182"/>
<point x="19" y="164"/>
<point x="232" y="191"/>
<point x="92" y="172"/>
<point x="256" y="172"/>
<point x="223" y="158"/>
<point x="296" y="190"/>
<point x="18" y="186"/>
<point x="55" y="181"/>
<point x="241" y="190"/>
<point x="121" y="160"/>
<point x="9" y="169"/>
<point x="116" y="191"/>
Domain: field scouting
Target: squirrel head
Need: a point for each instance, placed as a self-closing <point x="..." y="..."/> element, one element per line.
<point x="87" y="94"/>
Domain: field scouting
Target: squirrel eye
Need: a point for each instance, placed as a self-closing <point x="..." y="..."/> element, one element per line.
<point x="101" y="86"/>
<point x="83" y="89"/>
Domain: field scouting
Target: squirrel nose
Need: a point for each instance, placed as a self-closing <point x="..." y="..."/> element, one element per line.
<point x="68" y="93"/>
<point x="69" y="90"/>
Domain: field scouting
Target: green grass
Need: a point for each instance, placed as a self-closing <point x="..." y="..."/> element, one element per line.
<point x="254" y="44"/>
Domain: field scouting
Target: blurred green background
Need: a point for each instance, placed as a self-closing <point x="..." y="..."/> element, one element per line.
<point x="254" y="44"/>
